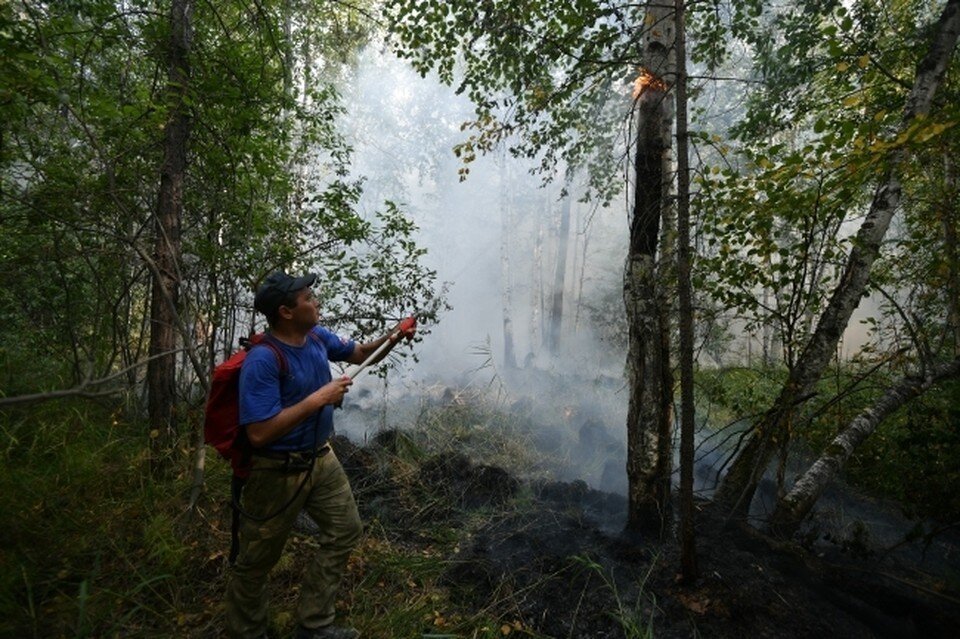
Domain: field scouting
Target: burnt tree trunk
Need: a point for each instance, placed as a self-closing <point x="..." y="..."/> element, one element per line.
<point x="649" y="414"/>
<point x="162" y="369"/>
<point x="739" y="485"/>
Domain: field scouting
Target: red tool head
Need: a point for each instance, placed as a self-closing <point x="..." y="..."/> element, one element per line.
<point x="408" y="327"/>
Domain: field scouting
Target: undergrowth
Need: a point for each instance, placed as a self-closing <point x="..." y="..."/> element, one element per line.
<point x="912" y="457"/>
<point x="92" y="545"/>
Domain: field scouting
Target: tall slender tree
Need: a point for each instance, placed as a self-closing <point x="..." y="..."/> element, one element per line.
<point x="552" y="333"/>
<point x="649" y="413"/>
<point x="162" y="369"/>
<point x="688" y="551"/>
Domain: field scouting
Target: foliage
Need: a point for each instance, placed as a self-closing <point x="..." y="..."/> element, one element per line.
<point x="814" y="138"/>
<point x="554" y="73"/>
<point x="911" y="458"/>
<point x="268" y="186"/>
<point x="734" y="393"/>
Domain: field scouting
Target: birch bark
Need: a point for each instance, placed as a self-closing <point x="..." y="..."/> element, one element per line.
<point x="738" y="486"/>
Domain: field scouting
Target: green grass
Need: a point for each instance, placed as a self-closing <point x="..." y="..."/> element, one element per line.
<point x="84" y="528"/>
<point x="636" y="619"/>
<point x="91" y="545"/>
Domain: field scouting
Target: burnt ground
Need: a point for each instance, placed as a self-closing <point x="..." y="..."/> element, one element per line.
<point x="547" y="555"/>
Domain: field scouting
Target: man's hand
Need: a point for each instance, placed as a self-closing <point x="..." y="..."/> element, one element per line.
<point x="332" y="392"/>
<point x="407" y="328"/>
<point x="269" y="430"/>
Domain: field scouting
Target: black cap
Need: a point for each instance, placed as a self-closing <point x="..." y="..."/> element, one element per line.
<point x="276" y="288"/>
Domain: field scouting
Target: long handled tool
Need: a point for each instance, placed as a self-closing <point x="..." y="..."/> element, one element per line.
<point x="402" y="328"/>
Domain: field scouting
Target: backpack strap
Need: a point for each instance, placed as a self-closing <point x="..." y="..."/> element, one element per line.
<point x="271" y="342"/>
<point x="236" y="487"/>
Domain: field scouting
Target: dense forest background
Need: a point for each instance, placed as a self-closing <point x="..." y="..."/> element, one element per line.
<point x="701" y="258"/>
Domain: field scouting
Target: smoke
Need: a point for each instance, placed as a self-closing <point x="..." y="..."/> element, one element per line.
<point x="494" y="239"/>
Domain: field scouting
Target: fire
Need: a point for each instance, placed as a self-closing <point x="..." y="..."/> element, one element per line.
<point x="647" y="80"/>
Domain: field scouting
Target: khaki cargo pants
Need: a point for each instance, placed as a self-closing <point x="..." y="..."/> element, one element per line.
<point x="329" y="501"/>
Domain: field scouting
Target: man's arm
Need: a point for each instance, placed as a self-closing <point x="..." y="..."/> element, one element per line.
<point x="270" y="430"/>
<point x="361" y="352"/>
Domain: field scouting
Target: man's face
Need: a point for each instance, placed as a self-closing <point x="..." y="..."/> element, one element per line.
<point x="306" y="312"/>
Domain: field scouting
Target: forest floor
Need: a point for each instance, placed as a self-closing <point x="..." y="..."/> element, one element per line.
<point x="469" y="534"/>
<point x="542" y="557"/>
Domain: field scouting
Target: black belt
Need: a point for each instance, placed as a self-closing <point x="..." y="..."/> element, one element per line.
<point x="287" y="455"/>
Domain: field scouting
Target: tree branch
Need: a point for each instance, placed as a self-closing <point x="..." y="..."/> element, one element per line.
<point x="82" y="390"/>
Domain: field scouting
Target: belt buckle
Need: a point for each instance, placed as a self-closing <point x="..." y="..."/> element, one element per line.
<point x="297" y="462"/>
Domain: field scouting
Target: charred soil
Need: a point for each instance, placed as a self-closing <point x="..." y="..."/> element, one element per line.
<point x="551" y="558"/>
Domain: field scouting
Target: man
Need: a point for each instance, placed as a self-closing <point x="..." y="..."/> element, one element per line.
<point x="288" y="419"/>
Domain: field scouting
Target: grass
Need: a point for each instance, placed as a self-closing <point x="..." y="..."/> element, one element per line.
<point x="91" y="545"/>
<point x="82" y="526"/>
<point x="636" y="620"/>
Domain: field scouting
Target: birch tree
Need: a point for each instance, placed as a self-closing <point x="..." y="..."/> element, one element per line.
<point x="650" y="409"/>
<point x="738" y="486"/>
<point x="548" y="81"/>
<point x="799" y="501"/>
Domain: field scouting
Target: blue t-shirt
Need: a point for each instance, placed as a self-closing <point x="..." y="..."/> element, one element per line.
<point x="263" y="394"/>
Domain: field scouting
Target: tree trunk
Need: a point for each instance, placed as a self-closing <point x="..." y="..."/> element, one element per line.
<point x="797" y="504"/>
<point x="648" y="363"/>
<point x="951" y="250"/>
<point x="582" y="274"/>
<point x="688" y="551"/>
<point x="536" y="294"/>
<point x="161" y="372"/>
<point x="559" y="278"/>
<point x="506" y="283"/>
<point x="738" y="486"/>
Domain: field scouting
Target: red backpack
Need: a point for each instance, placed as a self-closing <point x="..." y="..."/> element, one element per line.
<point x="221" y="422"/>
